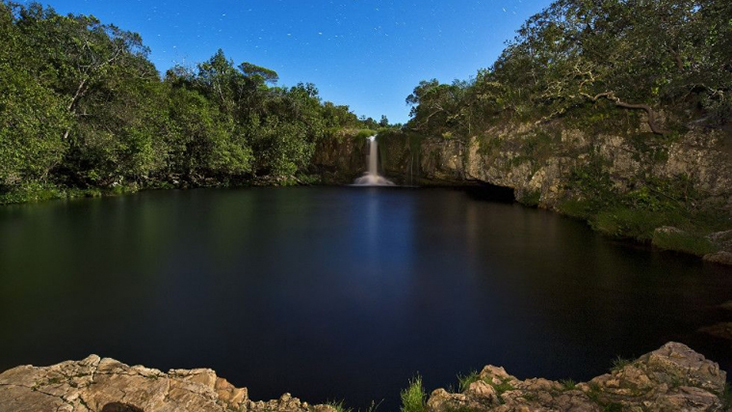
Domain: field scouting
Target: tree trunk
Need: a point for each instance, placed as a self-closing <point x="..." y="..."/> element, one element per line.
<point x="635" y="106"/>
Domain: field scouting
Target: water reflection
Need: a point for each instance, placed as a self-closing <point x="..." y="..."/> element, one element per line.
<point x="338" y="293"/>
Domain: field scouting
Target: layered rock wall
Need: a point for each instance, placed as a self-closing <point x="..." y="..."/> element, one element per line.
<point x="539" y="161"/>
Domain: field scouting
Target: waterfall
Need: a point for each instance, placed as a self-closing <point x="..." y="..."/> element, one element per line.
<point x="372" y="177"/>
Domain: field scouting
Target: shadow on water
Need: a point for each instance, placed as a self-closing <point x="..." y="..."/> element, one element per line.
<point x="490" y="193"/>
<point x="340" y="293"/>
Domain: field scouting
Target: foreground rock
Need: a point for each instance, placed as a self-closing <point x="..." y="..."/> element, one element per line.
<point x="672" y="378"/>
<point x="106" y="385"/>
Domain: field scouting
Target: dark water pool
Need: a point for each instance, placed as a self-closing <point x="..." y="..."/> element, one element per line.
<point x="340" y="293"/>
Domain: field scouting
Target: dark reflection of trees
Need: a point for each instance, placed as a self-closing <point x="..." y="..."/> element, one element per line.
<point x="287" y="288"/>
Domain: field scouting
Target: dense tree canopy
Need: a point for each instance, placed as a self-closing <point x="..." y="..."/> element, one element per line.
<point x="81" y="106"/>
<point x="653" y="56"/>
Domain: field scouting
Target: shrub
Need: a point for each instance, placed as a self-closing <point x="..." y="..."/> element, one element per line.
<point x="31" y="192"/>
<point x="339" y="406"/>
<point x="568" y="384"/>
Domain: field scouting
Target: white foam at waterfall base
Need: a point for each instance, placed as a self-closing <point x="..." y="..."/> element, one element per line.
<point x="372" y="177"/>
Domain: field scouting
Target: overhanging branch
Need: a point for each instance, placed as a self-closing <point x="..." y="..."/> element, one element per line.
<point x="635" y="106"/>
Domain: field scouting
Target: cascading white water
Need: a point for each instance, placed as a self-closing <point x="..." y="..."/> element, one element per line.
<point x="372" y="177"/>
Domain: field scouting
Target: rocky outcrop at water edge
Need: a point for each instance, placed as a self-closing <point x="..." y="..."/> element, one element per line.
<point x="99" y="384"/>
<point x="672" y="378"/>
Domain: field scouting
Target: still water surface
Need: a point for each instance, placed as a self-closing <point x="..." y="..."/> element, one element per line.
<point x="340" y="293"/>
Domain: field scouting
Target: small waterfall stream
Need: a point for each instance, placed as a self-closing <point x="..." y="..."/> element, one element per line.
<point x="372" y="177"/>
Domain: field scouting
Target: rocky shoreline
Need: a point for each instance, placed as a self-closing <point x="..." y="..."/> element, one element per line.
<point x="672" y="378"/>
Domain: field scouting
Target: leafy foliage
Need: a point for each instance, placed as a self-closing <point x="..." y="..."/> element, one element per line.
<point x="669" y="56"/>
<point x="81" y="107"/>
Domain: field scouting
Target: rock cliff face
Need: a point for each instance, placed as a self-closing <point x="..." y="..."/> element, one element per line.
<point x="672" y="378"/>
<point x="106" y="385"/>
<point x="539" y="160"/>
<point x="341" y="159"/>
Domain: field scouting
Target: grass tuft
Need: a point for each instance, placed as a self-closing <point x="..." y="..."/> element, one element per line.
<point x="568" y="384"/>
<point x="413" y="398"/>
<point x="503" y="387"/>
<point x="619" y="363"/>
<point x="464" y="381"/>
<point x="374" y="406"/>
<point x="339" y="406"/>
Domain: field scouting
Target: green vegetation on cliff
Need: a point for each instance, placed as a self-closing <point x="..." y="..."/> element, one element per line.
<point x="585" y="61"/>
<point x="84" y="112"/>
<point x="614" y="111"/>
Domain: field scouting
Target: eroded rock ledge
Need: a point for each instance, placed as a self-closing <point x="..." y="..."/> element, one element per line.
<point x="99" y="384"/>
<point x="672" y="378"/>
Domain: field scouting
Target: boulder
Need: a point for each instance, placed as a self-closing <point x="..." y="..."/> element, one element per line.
<point x="99" y="384"/>
<point x="672" y="378"/>
<point x="722" y="257"/>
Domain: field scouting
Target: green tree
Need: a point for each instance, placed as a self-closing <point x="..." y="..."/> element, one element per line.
<point x="669" y="56"/>
<point x="438" y="108"/>
<point x="32" y="117"/>
<point x="82" y="106"/>
<point x="202" y="141"/>
<point x="32" y="122"/>
<point x="638" y="55"/>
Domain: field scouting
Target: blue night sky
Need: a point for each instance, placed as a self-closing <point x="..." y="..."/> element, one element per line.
<point x="367" y="54"/>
